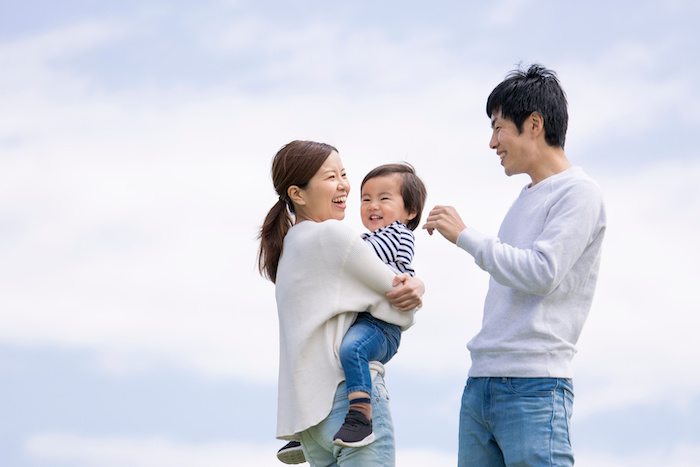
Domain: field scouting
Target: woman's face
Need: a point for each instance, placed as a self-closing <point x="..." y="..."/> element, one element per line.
<point x="325" y="196"/>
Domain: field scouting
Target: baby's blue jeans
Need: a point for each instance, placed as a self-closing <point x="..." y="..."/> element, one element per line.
<point x="368" y="339"/>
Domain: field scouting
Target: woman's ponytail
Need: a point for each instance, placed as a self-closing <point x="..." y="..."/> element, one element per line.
<point x="272" y="233"/>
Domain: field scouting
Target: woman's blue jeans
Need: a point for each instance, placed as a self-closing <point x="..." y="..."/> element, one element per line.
<point x="513" y="422"/>
<point x="317" y="441"/>
<point x="368" y="339"/>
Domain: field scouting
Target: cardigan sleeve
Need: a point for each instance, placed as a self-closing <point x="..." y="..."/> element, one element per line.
<point x="365" y="279"/>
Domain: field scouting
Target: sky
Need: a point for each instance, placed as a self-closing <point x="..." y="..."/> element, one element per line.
<point x="135" y="146"/>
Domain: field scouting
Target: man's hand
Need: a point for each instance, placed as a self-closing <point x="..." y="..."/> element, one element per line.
<point x="408" y="295"/>
<point x="445" y="220"/>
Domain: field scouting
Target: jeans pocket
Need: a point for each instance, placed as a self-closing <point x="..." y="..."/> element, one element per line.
<point x="382" y="392"/>
<point x="532" y="386"/>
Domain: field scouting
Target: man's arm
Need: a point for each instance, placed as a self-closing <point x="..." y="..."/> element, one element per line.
<point x="569" y="228"/>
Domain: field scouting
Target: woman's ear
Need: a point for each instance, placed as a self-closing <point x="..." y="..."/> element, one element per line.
<point x="296" y="194"/>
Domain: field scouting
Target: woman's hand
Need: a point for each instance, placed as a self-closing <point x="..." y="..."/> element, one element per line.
<point x="409" y="293"/>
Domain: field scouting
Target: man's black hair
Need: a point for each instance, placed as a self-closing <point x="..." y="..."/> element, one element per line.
<point x="535" y="90"/>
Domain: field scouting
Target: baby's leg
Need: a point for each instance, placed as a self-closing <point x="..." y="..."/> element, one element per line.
<point x="360" y="345"/>
<point x="365" y="341"/>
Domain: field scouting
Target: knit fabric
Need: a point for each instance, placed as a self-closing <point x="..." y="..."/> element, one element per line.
<point x="326" y="274"/>
<point x="544" y="266"/>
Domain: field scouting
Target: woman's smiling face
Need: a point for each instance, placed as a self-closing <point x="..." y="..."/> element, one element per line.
<point x="325" y="195"/>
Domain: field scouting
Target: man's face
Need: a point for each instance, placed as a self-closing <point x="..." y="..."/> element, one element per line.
<point x="510" y="145"/>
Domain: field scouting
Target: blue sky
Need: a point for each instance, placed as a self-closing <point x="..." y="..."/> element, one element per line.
<point x="135" y="144"/>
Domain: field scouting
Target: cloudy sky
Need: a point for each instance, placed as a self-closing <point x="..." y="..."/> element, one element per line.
<point x="135" y="147"/>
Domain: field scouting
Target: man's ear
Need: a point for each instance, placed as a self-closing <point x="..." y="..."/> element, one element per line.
<point x="535" y="123"/>
<point x="296" y="194"/>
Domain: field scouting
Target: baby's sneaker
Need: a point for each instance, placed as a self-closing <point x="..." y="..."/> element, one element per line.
<point x="291" y="453"/>
<point x="355" y="432"/>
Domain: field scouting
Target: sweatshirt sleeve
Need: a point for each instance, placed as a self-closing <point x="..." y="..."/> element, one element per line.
<point x="570" y="224"/>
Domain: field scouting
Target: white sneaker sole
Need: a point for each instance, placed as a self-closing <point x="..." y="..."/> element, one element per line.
<point x="292" y="456"/>
<point x="357" y="444"/>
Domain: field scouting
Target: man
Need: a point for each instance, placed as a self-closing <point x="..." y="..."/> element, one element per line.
<point x="544" y="265"/>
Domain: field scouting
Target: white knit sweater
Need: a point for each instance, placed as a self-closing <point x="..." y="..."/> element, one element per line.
<point x="326" y="274"/>
<point x="544" y="267"/>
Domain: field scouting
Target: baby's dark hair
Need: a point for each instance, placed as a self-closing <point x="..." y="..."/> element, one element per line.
<point x="413" y="190"/>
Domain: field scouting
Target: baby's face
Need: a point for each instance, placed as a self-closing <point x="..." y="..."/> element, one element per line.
<point x="382" y="203"/>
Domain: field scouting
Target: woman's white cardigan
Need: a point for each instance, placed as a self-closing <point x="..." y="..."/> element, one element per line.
<point x="326" y="274"/>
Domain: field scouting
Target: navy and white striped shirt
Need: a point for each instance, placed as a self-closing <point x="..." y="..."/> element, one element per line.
<point x="394" y="245"/>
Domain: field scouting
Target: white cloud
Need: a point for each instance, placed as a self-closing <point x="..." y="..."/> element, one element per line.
<point x="134" y="213"/>
<point x="59" y="43"/>
<point x="682" y="455"/>
<point x="506" y="12"/>
<point x="147" y="452"/>
<point x="618" y="97"/>
<point x="643" y="315"/>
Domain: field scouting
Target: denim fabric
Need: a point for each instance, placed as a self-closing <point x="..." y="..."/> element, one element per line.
<point x="368" y="339"/>
<point x="317" y="441"/>
<point x="516" y="422"/>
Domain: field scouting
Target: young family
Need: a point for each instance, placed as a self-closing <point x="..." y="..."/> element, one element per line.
<point x="343" y="299"/>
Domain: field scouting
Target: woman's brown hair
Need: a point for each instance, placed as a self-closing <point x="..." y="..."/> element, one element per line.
<point x="293" y="165"/>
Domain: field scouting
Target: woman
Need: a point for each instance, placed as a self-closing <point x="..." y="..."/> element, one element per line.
<point x="324" y="274"/>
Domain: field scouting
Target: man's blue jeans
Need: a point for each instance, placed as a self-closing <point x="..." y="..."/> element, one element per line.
<point x="368" y="339"/>
<point x="516" y="422"/>
<point x="317" y="441"/>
